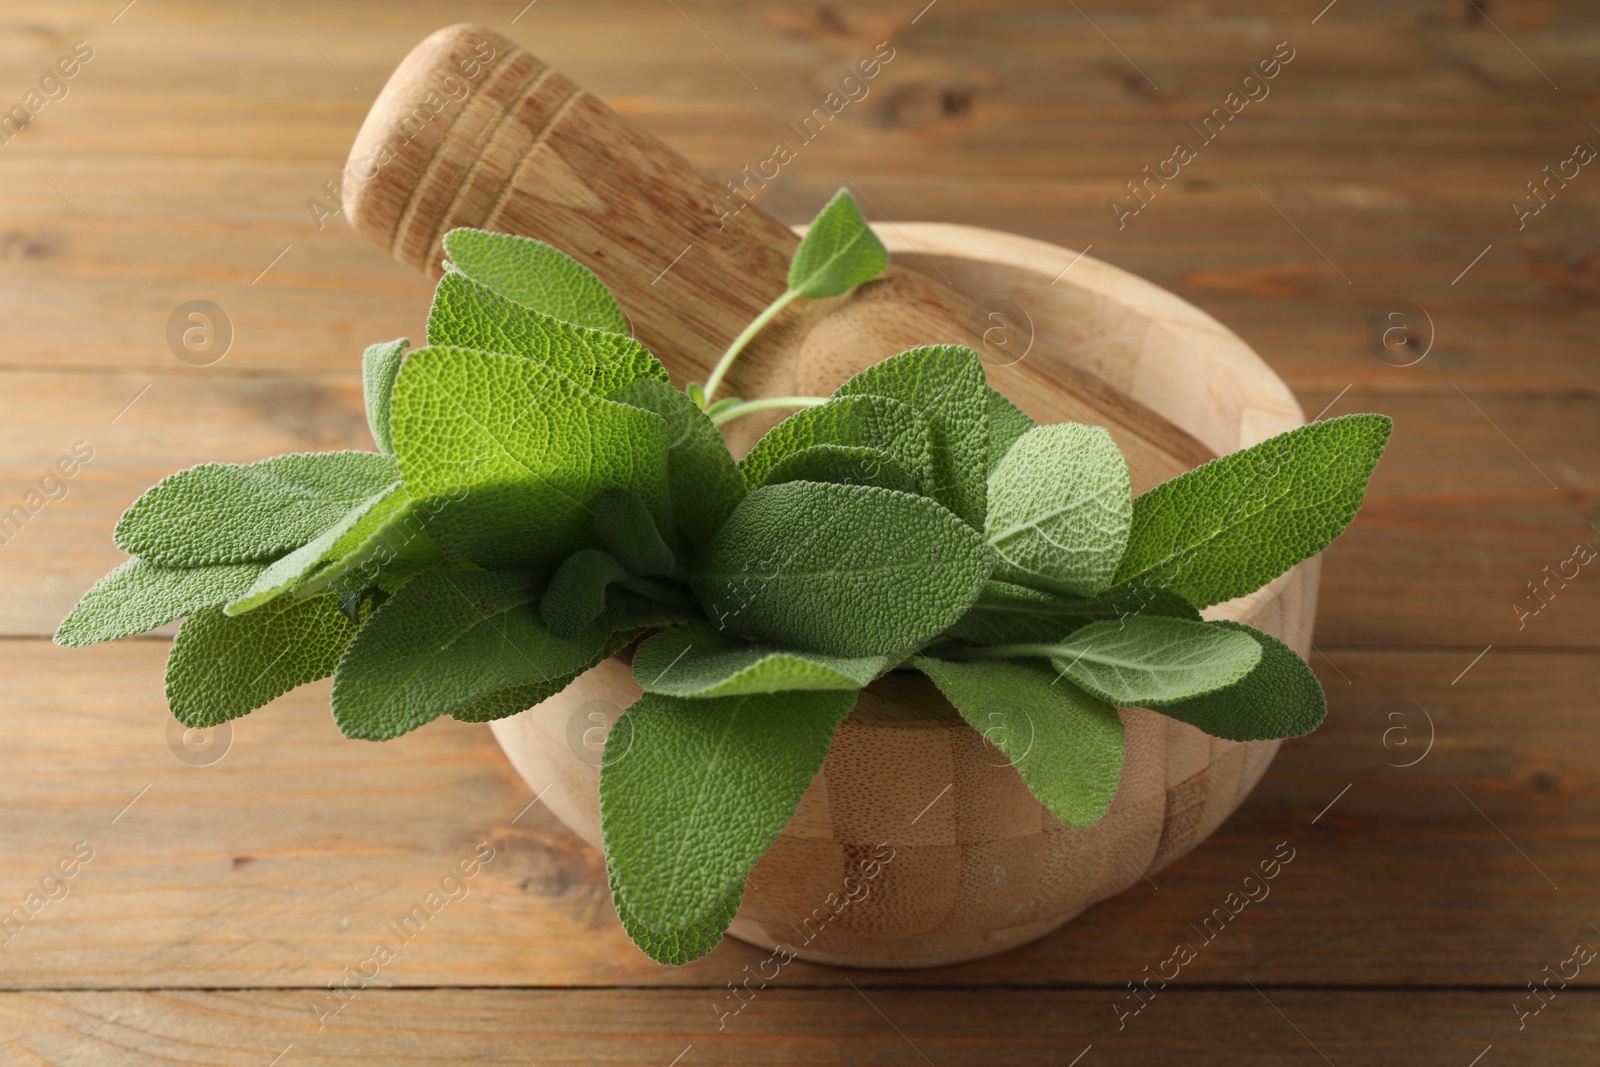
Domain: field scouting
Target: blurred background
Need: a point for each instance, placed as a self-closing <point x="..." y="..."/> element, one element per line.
<point x="1399" y="217"/>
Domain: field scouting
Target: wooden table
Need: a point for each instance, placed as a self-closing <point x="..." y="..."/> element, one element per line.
<point x="1444" y="820"/>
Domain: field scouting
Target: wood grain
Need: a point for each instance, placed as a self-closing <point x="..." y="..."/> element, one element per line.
<point x="1394" y="142"/>
<point x="233" y="874"/>
<point x="1209" y="1028"/>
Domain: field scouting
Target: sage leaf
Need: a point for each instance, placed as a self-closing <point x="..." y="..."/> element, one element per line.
<point x="380" y="365"/>
<point x="1231" y="526"/>
<point x="1006" y="423"/>
<point x="1059" y="507"/>
<point x="692" y="792"/>
<point x="468" y="315"/>
<point x="224" y="666"/>
<point x="1149" y="661"/>
<point x="858" y="421"/>
<point x="514" y="699"/>
<point x="838" y="252"/>
<point x="1066" y="745"/>
<point x="685" y="943"/>
<point x="282" y="575"/>
<point x="537" y="276"/>
<point x="1007" y="614"/>
<point x="577" y="594"/>
<point x="697" y="661"/>
<point x="848" y="570"/>
<point x="1280" y="698"/>
<point x="945" y="385"/>
<point x="248" y="513"/>
<point x="705" y="482"/>
<point x="625" y="524"/>
<point x="446" y="639"/>
<point x="505" y="456"/>
<point x="843" y="465"/>
<point x="386" y="545"/>
<point x="140" y="596"/>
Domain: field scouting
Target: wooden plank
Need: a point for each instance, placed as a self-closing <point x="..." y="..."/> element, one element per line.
<point x="1426" y="191"/>
<point x="286" y="859"/>
<point x="1213" y="1028"/>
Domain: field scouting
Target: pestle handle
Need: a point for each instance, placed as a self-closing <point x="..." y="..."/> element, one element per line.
<point x="471" y="130"/>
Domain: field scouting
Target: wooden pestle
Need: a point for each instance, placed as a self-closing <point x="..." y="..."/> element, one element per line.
<point x="471" y="130"/>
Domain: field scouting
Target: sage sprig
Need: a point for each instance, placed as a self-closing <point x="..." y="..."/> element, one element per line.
<point x="542" y="497"/>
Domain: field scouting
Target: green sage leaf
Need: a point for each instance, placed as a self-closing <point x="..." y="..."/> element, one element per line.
<point x="380" y="365"/>
<point x="624" y="523"/>
<point x="843" y="465"/>
<point x="1231" y="526"/>
<point x="1149" y="661"/>
<point x="697" y="661"/>
<point x="446" y="639"/>
<point x="1066" y="744"/>
<point x="248" y="513"/>
<point x="535" y="275"/>
<point x="506" y="456"/>
<point x="224" y="666"/>
<point x="945" y="385"/>
<point x="705" y="481"/>
<point x="848" y="570"/>
<point x="838" y="252"/>
<point x="1280" y="698"/>
<point x="468" y="315"/>
<point x="692" y="792"/>
<point x="1059" y="506"/>
<point x="140" y="596"/>
<point x="1006" y="424"/>
<point x="1007" y="614"/>
<point x="876" y="422"/>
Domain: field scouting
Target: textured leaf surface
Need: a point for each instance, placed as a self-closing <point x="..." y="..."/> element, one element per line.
<point x="705" y="481"/>
<point x="446" y="639"/>
<point x="282" y="575"/>
<point x="625" y="524"/>
<point x="1280" y="698"/>
<point x="514" y="699"/>
<point x="1059" y="506"/>
<point x="577" y="594"/>
<point x="1148" y="661"/>
<point x="248" y="513"/>
<point x="225" y="666"/>
<point x="1007" y="614"/>
<point x="1006" y="424"/>
<point x="838" y="252"/>
<point x="1231" y="526"/>
<point x="692" y="792"/>
<point x="843" y="465"/>
<point x="684" y="944"/>
<point x="696" y="661"/>
<point x="849" y="570"/>
<point x="140" y="596"/>
<point x="1066" y="745"/>
<point x="380" y="365"/>
<point x="468" y="315"/>
<point x="945" y="385"/>
<point x="387" y="545"/>
<point x="870" y="421"/>
<point x="507" y="456"/>
<point x="535" y="275"/>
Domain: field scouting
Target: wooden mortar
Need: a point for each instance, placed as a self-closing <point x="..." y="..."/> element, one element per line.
<point x="979" y="866"/>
